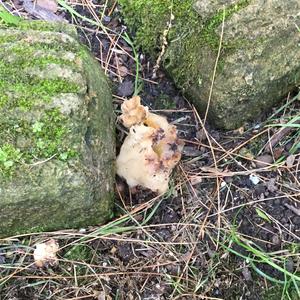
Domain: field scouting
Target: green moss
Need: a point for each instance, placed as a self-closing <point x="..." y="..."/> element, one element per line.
<point x="25" y="46"/>
<point x="208" y="34"/>
<point x="185" y="54"/>
<point x="30" y="141"/>
<point x="8" y="38"/>
<point x="27" y="140"/>
<point x="188" y="34"/>
<point x="47" y="135"/>
<point x="31" y="90"/>
<point x="26" y="25"/>
<point x="20" y="62"/>
<point x="148" y="19"/>
<point x="9" y="157"/>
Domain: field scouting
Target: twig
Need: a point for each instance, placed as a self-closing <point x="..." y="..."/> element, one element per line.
<point x="293" y="209"/>
<point x="164" y="46"/>
<point x="215" y="69"/>
<point x="40" y="12"/>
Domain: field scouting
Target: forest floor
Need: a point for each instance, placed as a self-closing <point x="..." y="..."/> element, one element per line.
<point x="229" y="225"/>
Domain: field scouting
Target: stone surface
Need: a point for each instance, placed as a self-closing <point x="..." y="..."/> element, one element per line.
<point x="57" y="148"/>
<point x="259" y="58"/>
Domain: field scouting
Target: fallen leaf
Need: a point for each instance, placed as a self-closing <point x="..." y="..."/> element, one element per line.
<point x="277" y="152"/>
<point x="290" y="161"/>
<point x="45" y="253"/>
<point x="263" y="161"/>
<point x="41" y="13"/>
<point x="50" y="5"/>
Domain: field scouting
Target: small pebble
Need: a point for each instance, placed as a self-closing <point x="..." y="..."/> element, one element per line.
<point x="247" y="274"/>
<point x="276" y="240"/>
<point x="289" y="265"/>
<point x="254" y="179"/>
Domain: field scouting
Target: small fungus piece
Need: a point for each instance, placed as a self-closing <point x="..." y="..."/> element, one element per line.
<point x="45" y="253"/>
<point x="150" y="151"/>
<point x="133" y="112"/>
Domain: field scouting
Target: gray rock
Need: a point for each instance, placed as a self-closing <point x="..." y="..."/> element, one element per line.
<point x="256" y="67"/>
<point x="57" y="131"/>
<point x="259" y="58"/>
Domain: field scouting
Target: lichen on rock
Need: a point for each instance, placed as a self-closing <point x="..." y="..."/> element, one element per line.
<point x="56" y="131"/>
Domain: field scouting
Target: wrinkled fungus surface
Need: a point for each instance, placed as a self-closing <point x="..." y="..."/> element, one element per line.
<point x="150" y="151"/>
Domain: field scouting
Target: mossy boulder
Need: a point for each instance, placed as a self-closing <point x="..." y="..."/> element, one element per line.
<point x="259" y="55"/>
<point x="57" y="147"/>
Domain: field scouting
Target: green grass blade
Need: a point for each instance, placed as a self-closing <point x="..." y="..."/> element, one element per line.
<point x="8" y="18"/>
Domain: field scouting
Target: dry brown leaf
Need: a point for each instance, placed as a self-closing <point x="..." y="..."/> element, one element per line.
<point x="45" y="253"/>
<point x="277" y="152"/>
<point x="50" y="5"/>
<point x="263" y="161"/>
